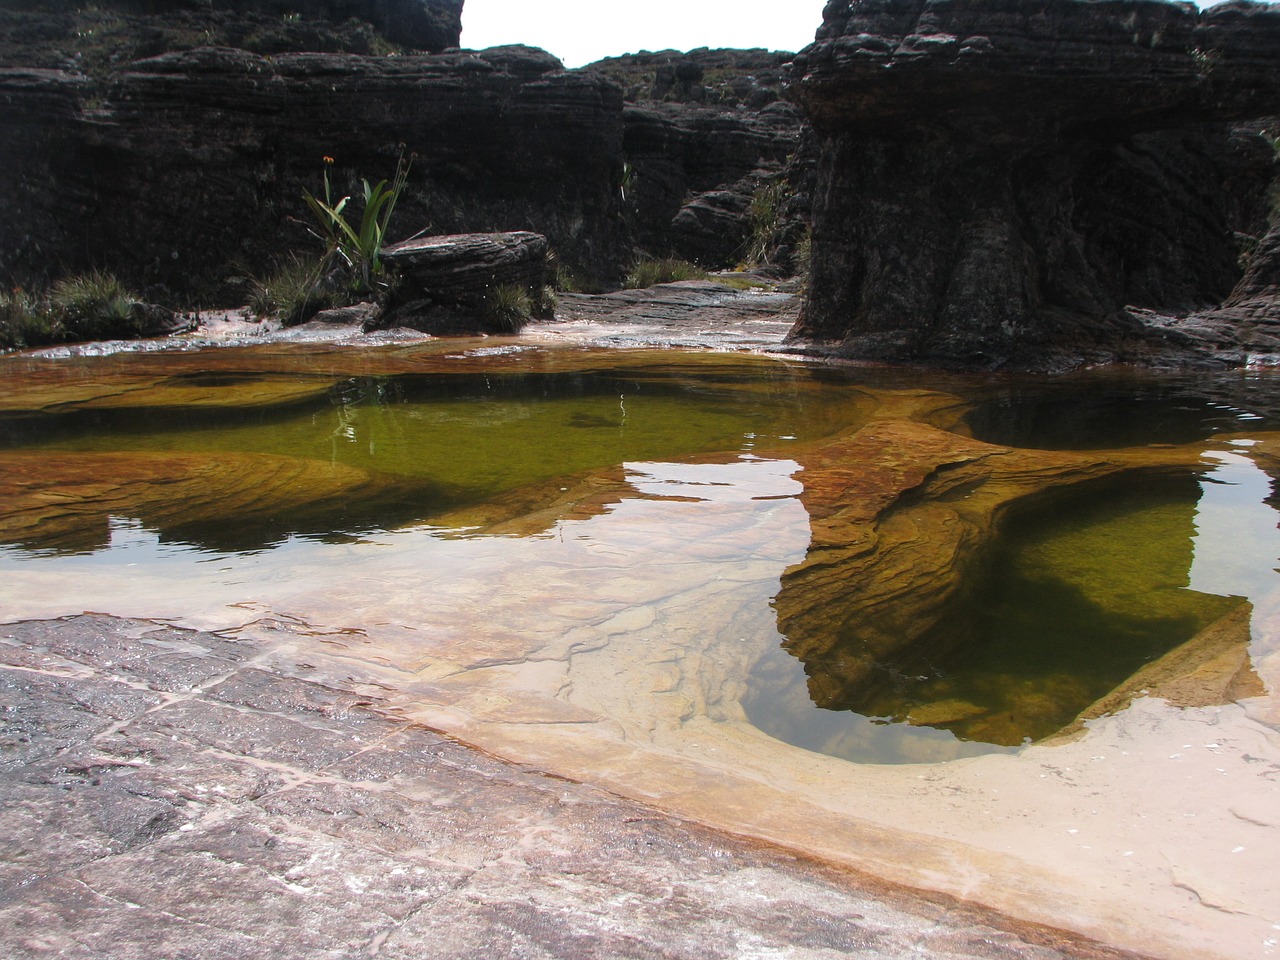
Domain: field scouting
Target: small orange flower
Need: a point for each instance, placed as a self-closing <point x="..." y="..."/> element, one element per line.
<point x="328" y="161"/>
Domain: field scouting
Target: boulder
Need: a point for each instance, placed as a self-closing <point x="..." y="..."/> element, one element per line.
<point x="985" y="167"/>
<point x="454" y="284"/>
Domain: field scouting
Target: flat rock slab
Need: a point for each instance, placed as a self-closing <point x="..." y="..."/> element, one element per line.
<point x="691" y="313"/>
<point x="166" y="793"/>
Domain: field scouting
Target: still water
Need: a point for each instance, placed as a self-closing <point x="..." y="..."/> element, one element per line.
<point x="228" y="484"/>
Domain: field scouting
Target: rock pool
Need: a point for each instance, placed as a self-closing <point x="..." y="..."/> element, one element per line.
<point x="1013" y="640"/>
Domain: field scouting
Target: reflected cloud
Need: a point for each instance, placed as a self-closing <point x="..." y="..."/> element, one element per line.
<point x="1237" y="548"/>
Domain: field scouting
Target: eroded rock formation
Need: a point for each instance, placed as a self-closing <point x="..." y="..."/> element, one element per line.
<point x="1000" y="180"/>
<point x="704" y="133"/>
<point x="193" y="163"/>
<point x="39" y="31"/>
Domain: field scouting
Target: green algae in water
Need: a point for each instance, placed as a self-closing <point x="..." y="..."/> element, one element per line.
<point x="1075" y="598"/>
<point x="445" y="441"/>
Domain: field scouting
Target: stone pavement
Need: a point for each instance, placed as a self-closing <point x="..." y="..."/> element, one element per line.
<point x="166" y="795"/>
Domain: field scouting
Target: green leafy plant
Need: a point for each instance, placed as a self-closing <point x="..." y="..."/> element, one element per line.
<point x="651" y="272"/>
<point x="358" y="243"/>
<point x="508" y="307"/>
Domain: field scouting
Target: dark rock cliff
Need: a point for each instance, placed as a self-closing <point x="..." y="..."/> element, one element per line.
<point x="704" y="133"/>
<point x="192" y="164"/>
<point x="697" y="170"/>
<point x="35" y="31"/>
<point x="999" y="179"/>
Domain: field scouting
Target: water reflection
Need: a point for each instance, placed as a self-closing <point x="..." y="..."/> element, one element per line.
<point x="1075" y="599"/>
<point x="1105" y="410"/>
<point x="653" y="513"/>
<point x="1237" y="546"/>
<point x="1237" y="530"/>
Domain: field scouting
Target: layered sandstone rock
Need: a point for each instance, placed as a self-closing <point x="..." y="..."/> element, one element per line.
<point x="38" y="30"/>
<point x="984" y="166"/>
<point x="453" y="283"/>
<point x="704" y="132"/>
<point x="193" y="164"/>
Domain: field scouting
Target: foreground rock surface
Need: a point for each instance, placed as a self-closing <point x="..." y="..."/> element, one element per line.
<point x="173" y="793"/>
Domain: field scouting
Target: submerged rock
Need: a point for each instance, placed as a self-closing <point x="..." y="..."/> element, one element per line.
<point x="902" y="515"/>
<point x="66" y="502"/>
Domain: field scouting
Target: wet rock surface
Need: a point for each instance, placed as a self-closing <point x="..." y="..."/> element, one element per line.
<point x="997" y="182"/>
<point x="170" y="792"/>
<point x="692" y="313"/>
<point x="598" y="626"/>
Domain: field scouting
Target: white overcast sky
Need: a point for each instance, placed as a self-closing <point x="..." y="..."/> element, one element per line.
<point x="580" y="31"/>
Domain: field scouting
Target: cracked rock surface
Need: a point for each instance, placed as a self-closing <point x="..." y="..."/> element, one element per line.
<point x="166" y="792"/>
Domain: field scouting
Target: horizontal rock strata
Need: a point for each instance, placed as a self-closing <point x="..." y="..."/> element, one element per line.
<point x="41" y="29"/>
<point x="979" y="163"/>
<point x="450" y="283"/>
<point x="195" y="161"/>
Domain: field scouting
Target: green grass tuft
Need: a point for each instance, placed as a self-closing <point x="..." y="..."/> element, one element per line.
<point x="95" y="306"/>
<point x="508" y="308"/>
<point x="24" y="321"/>
<point x="650" y="273"/>
<point x="294" y="293"/>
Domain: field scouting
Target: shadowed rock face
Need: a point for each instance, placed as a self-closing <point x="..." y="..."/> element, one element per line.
<point x="430" y="25"/>
<point x="696" y="170"/>
<point x="194" y="161"/>
<point x="703" y="132"/>
<point x="980" y="163"/>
